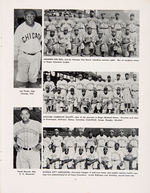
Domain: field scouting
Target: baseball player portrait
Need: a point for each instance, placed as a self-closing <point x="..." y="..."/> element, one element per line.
<point x="27" y="48"/>
<point x="27" y="138"/>
<point x="91" y="92"/>
<point x="91" y="33"/>
<point x="91" y="148"/>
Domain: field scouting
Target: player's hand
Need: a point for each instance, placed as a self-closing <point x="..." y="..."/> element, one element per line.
<point x="17" y="148"/>
<point x="37" y="147"/>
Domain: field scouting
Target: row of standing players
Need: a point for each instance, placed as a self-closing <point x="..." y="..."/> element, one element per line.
<point x="100" y="152"/>
<point x="88" y="96"/>
<point x="91" y="36"/>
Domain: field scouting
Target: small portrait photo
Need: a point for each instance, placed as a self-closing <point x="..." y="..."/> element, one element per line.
<point x="27" y="48"/>
<point x="27" y="138"/>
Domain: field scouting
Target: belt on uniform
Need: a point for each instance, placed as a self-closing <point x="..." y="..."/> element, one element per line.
<point x="32" y="54"/>
<point x="27" y="148"/>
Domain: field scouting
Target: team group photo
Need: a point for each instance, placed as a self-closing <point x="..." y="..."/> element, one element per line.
<point x="27" y="132"/>
<point x="97" y="33"/>
<point x="90" y="92"/>
<point x="27" y="48"/>
<point x="90" y="148"/>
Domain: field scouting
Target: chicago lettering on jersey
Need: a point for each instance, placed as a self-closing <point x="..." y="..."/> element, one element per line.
<point x="29" y="36"/>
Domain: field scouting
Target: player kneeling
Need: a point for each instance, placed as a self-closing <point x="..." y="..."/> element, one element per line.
<point x="117" y="158"/>
<point x="127" y="44"/>
<point x="130" y="158"/>
<point x="79" y="159"/>
<point x="54" y="159"/>
<point x="59" y="101"/>
<point x="105" y="159"/>
<point x="66" y="159"/>
<point x="100" y="45"/>
<point x="95" y="103"/>
<point x="92" y="159"/>
<point x="107" y="101"/>
<point x="114" y="44"/>
<point x="71" y="100"/>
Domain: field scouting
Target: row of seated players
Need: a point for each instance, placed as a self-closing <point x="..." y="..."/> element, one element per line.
<point x="91" y="36"/>
<point x="89" y="96"/>
<point x="102" y="152"/>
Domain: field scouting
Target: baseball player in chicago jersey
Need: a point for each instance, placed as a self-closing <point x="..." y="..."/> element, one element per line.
<point x="27" y="138"/>
<point x="27" y="53"/>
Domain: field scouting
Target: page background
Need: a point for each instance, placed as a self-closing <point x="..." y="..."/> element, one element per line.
<point x="14" y="183"/>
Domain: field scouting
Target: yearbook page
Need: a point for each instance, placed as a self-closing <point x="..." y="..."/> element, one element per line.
<point x="74" y="96"/>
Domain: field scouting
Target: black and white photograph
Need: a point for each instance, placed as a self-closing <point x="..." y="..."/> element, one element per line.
<point x="27" y="48"/>
<point x="27" y="138"/>
<point x="90" y="148"/>
<point x="91" y="33"/>
<point x="90" y="92"/>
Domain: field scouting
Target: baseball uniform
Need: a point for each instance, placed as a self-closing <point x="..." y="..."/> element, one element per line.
<point x="27" y="42"/>
<point x="27" y="137"/>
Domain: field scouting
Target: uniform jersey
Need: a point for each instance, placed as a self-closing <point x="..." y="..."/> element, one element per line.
<point x="27" y="135"/>
<point x="92" y="22"/>
<point x="89" y="38"/>
<point x="117" y="97"/>
<point x="103" y="23"/>
<point x="46" y="142"/>
<point x="117" y="156"/>
<point x="80" y="84"/>
<point x="48" y="96"/>
<point x="62" y="84"/>
<point x="64" y="156"/>
<point x="101" y="140"/>
<point x="109" y="85"/>
<point x="133" y="141"/>
<point x="99" y="85"/>
<point x="81" y="23"/>
<point x="126" y="39"/>
<point x="90" y="84"/>
<point x="28" y="39"/>
<point x="106" y="97"/>
<point x="59" y="97"/>
<point x="118" y="24"/>
<point x="57" y="140"/>
<point x="64" y="38"/>
<point x="81" y="141"/>
<point x="77" y="156"/>
<point x="90" y="142"/>
<point x="106" y="158"/>
<point x="132" y="25"/>
<point x="76" y="39"/>
<point x="122" y="140"/>
<point x="71" y="98"/>
<point x="66" y="23"/>
<point x="111" y="142"/>
<point x="49" y="84"/>
<point x="69" y="141"/>
<point x="71" y="84"/>
<point x="54" y="155"/>
<point x="134" y="86"/>
<point x="127" y="85"/>
<point x="91" y="156"/>
<point x="118" y="83"/>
